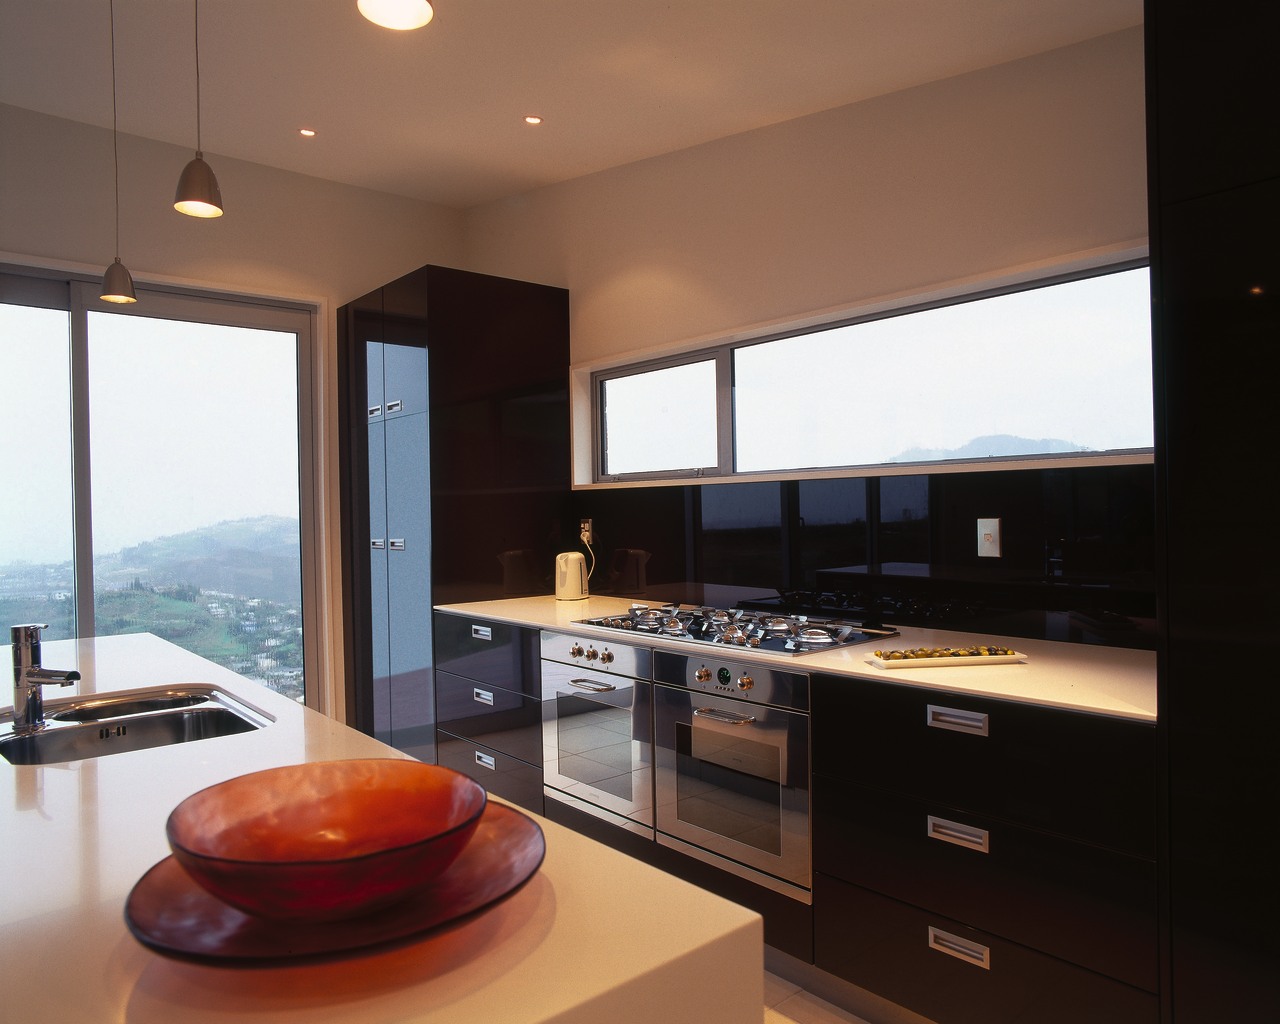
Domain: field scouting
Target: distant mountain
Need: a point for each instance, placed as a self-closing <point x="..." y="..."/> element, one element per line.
<point x="989" y="446"/>
<point x="258" y="557"/>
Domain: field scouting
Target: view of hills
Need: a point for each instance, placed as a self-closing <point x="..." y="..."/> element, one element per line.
<point x="230" y="592"/>
<point x="991" y="446"/>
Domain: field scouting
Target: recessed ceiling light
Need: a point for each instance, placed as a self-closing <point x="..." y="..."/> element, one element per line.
<point x="532" y="119"/>
<point x="308" y="132"/>
<point x="398" y="14"/>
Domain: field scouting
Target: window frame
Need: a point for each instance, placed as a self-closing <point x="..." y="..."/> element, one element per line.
<point x="723" y="354"/>
<point x="78" y="294"/>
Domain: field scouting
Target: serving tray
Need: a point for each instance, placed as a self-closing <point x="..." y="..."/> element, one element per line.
<point x="977" y="659"/>
<point x="168" y="912"/>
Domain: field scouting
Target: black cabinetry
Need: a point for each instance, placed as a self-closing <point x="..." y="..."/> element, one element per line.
<point x="488" y="705"/>
<point x="984" y="860"/>
<point x="494" y="444"/>
<point x="1214" y="164"/>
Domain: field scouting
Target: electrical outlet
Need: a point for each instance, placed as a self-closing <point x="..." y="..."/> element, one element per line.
<point x="584" y="530"/>
<point x="988" y="538"/>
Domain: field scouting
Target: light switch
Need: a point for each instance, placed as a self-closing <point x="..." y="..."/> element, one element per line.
<point x="988" y="538"/>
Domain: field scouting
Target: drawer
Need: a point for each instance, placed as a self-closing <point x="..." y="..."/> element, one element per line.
<point x="489" y="652"/>
<point x="1092" y="906"/>
<point x="953" y="974"/>
<point x="500" y="774"/>
<point x="1089" y="777"/>
<point x="498" y="718"/>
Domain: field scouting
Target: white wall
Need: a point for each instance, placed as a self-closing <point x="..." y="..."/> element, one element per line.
<point x="982" y="174"/>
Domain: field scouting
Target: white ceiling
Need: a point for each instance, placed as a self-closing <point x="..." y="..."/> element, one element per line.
<point x="437" y="113"/>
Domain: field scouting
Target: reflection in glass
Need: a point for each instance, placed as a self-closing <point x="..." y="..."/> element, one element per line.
<point x="37" y="548"/>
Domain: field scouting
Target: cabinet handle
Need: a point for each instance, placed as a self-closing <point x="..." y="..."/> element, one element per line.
<point x="481" y="632"/>
<point x="481" y="696"/>
<point x="962" y="835"/>
<point x="962" y="949"/>
<point x="395" y="406"/>
<point x="375" y="411"/>
<point x="486" y="761"/>
<point x="397" y="544"/>
<point x="377" y="543"/>
<point x="956" y="719"/>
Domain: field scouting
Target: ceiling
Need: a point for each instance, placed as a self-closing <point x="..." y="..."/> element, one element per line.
<point x="437" y="114"/>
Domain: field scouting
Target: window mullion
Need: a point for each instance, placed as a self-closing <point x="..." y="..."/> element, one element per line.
<point x="81" y="473"/>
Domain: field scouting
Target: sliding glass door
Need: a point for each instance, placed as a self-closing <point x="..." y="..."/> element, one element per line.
<point x="169" y="443"/>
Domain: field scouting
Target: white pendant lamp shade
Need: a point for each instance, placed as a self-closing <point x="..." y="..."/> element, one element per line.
<point x="117" y="284"/>
<point x="397" y="14"/>
<point x="198" y="194"/>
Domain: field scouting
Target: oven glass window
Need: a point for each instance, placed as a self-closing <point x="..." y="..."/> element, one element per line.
<point x="730" y="785"/>
<point x="595" y="745"/>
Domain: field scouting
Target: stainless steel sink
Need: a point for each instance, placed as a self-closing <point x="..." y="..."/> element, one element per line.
<point x="129" y="720"/>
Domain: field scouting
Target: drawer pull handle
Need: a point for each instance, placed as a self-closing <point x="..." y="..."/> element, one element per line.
<point x="377" y="544"/>
<point x="961" y="949"/>
<point x="486" y="761"/>
<point x="587" y="684"/>
<point x="962" y="835"/>
<point x="375" y="411"/>
<point x="396" y="544"/>
<point x="395" y="406"/>
<point x="481" y="632"/>
<point x="481" y="696"/>
<point x="956" y="720"/>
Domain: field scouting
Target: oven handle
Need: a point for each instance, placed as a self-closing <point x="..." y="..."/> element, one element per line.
<point x="724" y="716"/>
<point x="587" y="684"/>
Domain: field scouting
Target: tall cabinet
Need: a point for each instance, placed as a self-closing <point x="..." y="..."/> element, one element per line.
<point x="454" y="423"/>
<point x="399" y="448"/>
<point x="1214" y="161"/>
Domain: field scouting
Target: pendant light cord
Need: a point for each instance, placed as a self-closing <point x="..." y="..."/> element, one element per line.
<point x="115" y="130"/>
<point x="199" y="148"/>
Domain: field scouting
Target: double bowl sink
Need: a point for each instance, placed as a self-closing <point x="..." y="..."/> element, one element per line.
<point x="112" y="723"/>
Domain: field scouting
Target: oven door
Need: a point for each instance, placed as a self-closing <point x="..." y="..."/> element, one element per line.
<point x="732" y="778"/>
<point x="597" y="744"/>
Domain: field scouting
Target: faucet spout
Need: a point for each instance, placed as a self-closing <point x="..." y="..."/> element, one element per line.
<point x="30" y="677"/>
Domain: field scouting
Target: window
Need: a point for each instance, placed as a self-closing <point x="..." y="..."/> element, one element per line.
<point x="169" y="454"/>
<point x="1056" y="371"/>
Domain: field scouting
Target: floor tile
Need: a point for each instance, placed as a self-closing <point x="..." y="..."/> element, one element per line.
<point x="806" y="1008"/>
<point x="777" y="989"/>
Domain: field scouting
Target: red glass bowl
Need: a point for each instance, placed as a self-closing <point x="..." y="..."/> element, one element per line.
<point x="325" y="840"/>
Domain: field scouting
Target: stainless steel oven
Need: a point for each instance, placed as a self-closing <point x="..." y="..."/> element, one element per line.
<point x="731" y="766"/>
<point x="597" y="722"/>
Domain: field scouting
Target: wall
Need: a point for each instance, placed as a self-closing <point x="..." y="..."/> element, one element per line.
<point x="284" y="235"/>
<point x="999" y="169"/>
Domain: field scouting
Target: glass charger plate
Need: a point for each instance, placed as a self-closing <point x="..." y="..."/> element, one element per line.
<point x="171" y="914"/>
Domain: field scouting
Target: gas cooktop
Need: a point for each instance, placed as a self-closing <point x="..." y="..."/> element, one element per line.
<point x="735" y="627"/>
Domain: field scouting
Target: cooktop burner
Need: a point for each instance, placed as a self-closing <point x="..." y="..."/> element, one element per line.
<point x="735" y="627"/>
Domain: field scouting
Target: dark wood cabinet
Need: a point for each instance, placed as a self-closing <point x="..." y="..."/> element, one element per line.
<point x="495" y="444"/>
<point x="488" y="705"/>
<point x="1013" y="828"/>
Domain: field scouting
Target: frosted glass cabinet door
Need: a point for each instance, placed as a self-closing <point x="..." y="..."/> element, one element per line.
<point x="379" y="619"/>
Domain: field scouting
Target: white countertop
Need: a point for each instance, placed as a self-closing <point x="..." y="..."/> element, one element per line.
<point x="1079" y="677"/>
<point x="594" y="936"/>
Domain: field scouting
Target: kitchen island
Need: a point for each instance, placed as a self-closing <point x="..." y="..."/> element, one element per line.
<point x="593" y="936"/>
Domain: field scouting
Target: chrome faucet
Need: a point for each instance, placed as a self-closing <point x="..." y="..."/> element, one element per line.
<point x="29" y="678"/>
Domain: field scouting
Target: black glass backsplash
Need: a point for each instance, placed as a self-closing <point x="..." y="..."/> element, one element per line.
<point x="1077" y="549"/>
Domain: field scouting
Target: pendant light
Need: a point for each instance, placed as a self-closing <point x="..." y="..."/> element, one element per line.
<point x="117" y="284"/>
<point x="398" y="14"/>
<point x="198" y="194"/>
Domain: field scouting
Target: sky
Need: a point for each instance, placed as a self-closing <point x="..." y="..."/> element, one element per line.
<point x="191" y="424"/>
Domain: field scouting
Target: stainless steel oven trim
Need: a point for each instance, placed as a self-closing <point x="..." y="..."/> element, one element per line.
<point x="795" y="892"/>
<point x="597" y="811"/>
<point x="792" y="868"/>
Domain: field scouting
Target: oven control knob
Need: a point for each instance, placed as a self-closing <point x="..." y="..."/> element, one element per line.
<point x="745" y="682"/>
<point x="592" y="654"/>
<point x="575" y="651"/>
<point x="702" y="675"/>
<point x="606" y="657"/>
